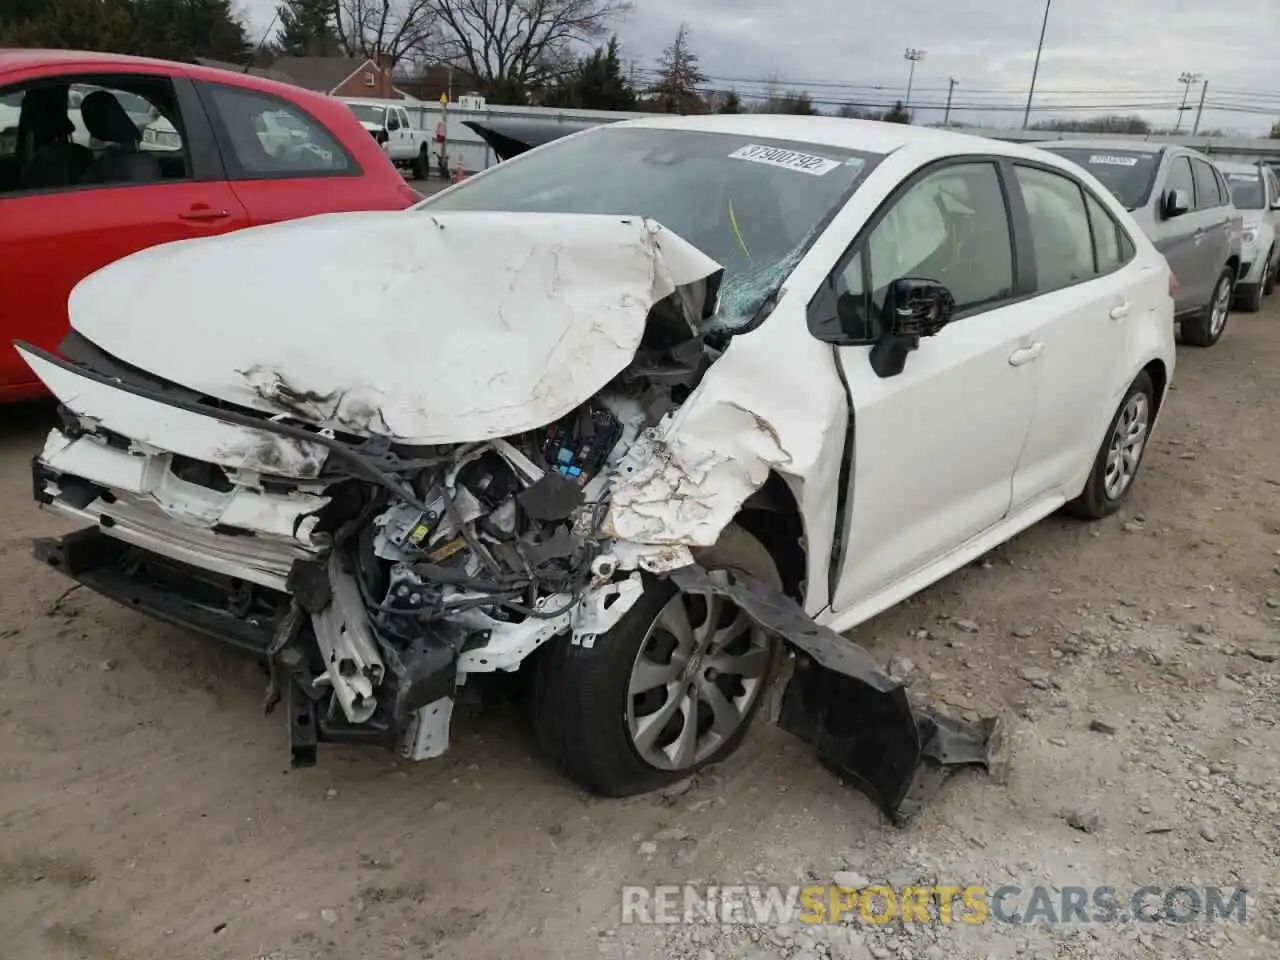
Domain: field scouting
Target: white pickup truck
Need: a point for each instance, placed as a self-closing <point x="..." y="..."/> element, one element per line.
<point x="406" y="145"/>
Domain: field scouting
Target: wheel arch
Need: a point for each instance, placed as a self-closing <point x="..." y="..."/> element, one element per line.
<point x="1159" y="374"/>
<point x="772" y="515"/>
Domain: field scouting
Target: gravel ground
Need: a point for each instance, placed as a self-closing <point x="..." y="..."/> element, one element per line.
<point x="147" y="809"/>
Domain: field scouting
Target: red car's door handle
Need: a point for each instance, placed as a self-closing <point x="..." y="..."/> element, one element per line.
<point x="203" y="213"/>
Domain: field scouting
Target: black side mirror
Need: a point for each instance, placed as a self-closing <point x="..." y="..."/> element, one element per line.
<point x="393" y="124"/>
<point x="913" y="308"/>
<point x="1175" y="204"/>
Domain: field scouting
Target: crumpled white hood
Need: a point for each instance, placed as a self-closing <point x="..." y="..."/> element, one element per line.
<point x="426" y="328"/>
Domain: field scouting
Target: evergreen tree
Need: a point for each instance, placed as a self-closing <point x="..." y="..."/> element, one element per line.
<point x="596" y="83"/>
<point x="897" y="114"/>
<point x="307" y="29"/>
<point x="679" y="76"/>
<point x="731" y="103"/>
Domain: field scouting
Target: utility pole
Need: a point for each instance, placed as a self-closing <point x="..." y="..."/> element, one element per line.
<point x="1204" y="87"/>
<point x="915" y="56"/>
<point x="1035" y="71"/>
<point x="946" y="117"/>
<point x="1186" y="79"/>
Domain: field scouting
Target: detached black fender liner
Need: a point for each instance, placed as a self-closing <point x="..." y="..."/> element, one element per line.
<point x="857" y="717"/>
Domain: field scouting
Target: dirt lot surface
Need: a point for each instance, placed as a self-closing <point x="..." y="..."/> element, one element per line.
<point x="147" y="809"/>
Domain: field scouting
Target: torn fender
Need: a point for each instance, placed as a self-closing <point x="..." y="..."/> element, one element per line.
<point x="858" y="718"/>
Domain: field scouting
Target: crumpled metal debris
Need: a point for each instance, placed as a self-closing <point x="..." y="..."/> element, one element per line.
<point x="857" y="717"/>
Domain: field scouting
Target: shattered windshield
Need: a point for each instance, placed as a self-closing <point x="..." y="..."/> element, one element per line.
<point x="1128" y="174"/>
<point x="752" y="204"/>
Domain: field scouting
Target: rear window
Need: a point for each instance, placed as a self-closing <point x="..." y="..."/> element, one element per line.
<point x="1246" y="190"/>
<point x="368" y="113"/>
<point x="751" y="204"/>
<point x="1128" y="174"/>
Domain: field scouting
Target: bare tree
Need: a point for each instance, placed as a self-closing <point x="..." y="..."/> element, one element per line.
<point x="517" y="43"/>
<point x="679" y="76"/>
<point x="404" y="30"/>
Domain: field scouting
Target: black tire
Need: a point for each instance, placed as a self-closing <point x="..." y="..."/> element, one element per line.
<point x="1094" y="503"/>
<point x="1249" y="297"/>
<point x="1269" y="278"/>
<point x="1198" y="330"/>
<point x="581" y="693"/>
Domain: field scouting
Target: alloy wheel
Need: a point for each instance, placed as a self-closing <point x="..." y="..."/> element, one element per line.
<point x="1221" y="306"/>
<point x="1128" y="440"/>
<point x="699" y="670"/>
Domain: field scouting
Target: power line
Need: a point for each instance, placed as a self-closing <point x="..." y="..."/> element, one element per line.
<point x="884" y="96"/>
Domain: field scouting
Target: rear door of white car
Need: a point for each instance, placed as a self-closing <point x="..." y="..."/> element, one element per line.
<point x="1090" y="290"/>
<point x="935" y="446"/>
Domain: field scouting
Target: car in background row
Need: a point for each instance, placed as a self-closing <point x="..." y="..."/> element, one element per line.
<point x="1256" y="193"/>
<point x="408" y="146"/>
<point x="103" y="155"/>
<point x="1184" y="205"/>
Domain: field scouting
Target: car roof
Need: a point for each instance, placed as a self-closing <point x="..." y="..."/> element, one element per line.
<point x="1236" y="166"/>
<point x="18" y="58"/>
<point x="1102" y="143"/>
<point x="867" y="136"/>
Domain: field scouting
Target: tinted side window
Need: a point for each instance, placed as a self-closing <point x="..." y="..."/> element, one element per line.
<point x="1060" y="231"/>
<point x="264" y="136"/>
<point x="1206" y="186"/>
<point x="951" y="226"/>
<point x="1180" y="178"/>
<point x="1108" y="237"/>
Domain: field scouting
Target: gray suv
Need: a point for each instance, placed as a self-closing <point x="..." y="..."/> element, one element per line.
<point x="1184" y="205"/>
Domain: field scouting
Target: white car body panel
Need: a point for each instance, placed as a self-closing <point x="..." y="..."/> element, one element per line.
<point x="545" y="309"/>
<point x="160" y="427"/>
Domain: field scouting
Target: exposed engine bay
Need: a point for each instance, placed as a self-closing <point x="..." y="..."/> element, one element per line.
<point x="381" y="562"/>
<point x="493" y="549"/>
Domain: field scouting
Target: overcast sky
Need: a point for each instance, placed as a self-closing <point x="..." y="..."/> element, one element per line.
<point x="1101" y="55"/>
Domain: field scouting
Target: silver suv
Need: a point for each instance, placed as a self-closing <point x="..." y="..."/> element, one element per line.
<point x="1184" y="205"/>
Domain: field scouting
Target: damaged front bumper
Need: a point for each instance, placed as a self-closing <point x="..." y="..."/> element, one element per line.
<point x="857" y="718"/>
<point x="211" y="519"/>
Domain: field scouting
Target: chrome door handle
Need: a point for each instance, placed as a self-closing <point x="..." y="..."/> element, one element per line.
<point x="1026" y="354"/>
<point x="1120" y="311"/>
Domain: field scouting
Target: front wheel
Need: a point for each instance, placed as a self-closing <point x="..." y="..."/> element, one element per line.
<point x="1205" y="329"/>
<point x="1269" y="275"/>
<point x="672" y="687"/>
<point x="1116" y="466"/>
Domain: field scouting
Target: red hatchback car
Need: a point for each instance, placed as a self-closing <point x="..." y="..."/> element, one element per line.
<point x="104" y="155"/>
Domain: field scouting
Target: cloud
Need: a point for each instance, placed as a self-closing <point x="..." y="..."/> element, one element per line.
<point x="1098" y="54"/>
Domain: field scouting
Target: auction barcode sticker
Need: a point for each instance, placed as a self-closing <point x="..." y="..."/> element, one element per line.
<point x="787" y="159"/>
<point x="1113" y="160"/>
<point x="1243" y="177"/>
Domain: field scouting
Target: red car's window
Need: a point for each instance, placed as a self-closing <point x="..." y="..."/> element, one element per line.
<point x="96" y="131"/>
<point x="268" y="137"/>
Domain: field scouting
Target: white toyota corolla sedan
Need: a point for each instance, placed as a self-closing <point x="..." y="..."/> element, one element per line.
<point x="654" y="410"/>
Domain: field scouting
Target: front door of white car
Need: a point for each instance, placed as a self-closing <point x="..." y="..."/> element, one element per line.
<point x="935" y="446"/>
